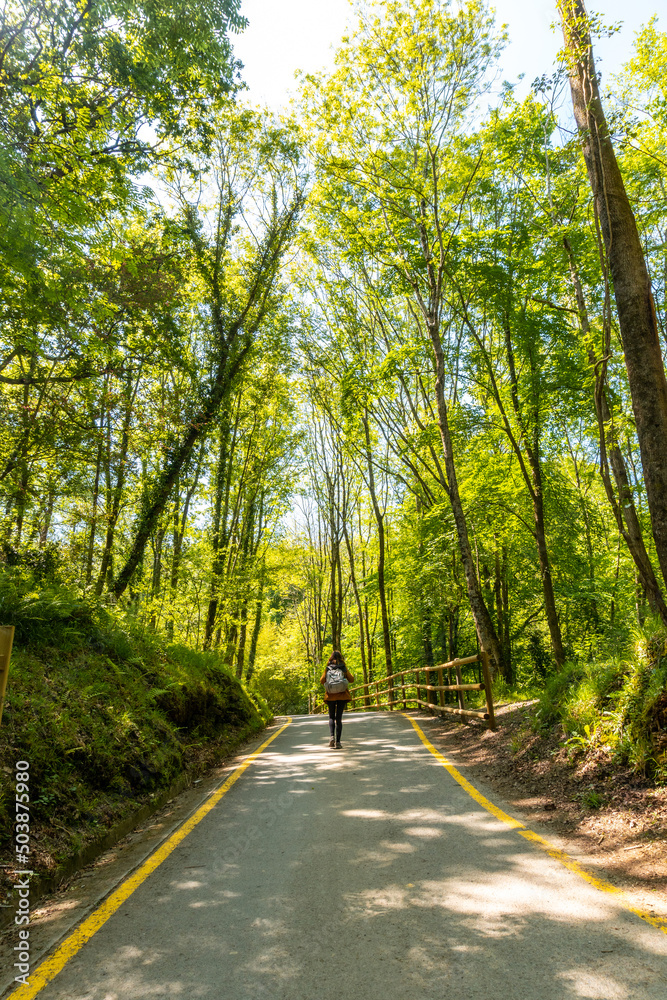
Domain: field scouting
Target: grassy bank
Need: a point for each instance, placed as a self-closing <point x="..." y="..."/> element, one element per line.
<point x="615" y="708"/>
<point x="106" y="719"/>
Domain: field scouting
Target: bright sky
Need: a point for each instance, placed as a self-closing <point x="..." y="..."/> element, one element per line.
<point x="286" y="35"/>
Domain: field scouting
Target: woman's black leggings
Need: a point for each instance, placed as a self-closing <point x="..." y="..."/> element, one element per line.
<point x="336" y="709"/>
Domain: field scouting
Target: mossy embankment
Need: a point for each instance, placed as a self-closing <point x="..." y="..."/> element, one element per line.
<point x="107" y="720"/>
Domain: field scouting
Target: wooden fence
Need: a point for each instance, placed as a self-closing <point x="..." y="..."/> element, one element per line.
<point x="393" y="691"/>
<point x="6" y="640"/>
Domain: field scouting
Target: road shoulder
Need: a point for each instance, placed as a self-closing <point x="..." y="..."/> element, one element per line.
<point x="58" y="913"/>
<point x="624" y="841"/>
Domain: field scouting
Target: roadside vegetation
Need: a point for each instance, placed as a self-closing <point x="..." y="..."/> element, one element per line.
<point x="382" y="375"/>
<point x="107" y="717"/>
<point x="617" y="708"/>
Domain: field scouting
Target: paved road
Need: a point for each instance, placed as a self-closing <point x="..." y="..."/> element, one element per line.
<point x="367" y="873"/>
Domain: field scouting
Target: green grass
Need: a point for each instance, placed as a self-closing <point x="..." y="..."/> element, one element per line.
<point x="618" y="705"/>
<point x="106" y="718"/>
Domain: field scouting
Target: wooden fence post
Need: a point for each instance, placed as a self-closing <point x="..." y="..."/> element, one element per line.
<point x="6" y="641"/>
<point x="486" y="670"/>
<point x="441" y="682"/>
<point x="459" y="680"/>
<point x="432" y="697"/>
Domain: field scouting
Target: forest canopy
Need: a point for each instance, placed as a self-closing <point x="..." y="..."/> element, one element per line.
<point x="385" y="374"/>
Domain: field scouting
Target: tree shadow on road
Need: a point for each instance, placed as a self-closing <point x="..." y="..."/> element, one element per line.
<point x="368" y="874"/>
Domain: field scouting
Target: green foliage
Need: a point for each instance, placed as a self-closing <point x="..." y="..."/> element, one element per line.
<point x="261" y="705"/>
<point x="283" y="687"/>
<point x="97" y="73"/>
<point x="505" y="692"/>
<point x="619" y="707"/>
<point x="636" y="726"/>
<point x="56" y="615"/>
<point x="280" y="680"/>
<point x="105" y="719"/>
<point x="577" y="694"/>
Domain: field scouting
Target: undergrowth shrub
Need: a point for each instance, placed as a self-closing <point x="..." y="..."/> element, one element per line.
<point x="104" y="715"/>
<point x="55" y="614"/>
<point x="619" y="705"/>
<point x="638" y="726"/>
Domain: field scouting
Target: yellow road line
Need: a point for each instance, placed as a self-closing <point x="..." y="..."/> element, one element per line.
<point x="534" y="838"/>
<point x="51" y="966"/>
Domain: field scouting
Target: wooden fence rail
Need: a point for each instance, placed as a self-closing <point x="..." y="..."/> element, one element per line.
<point x="371" y="697"/>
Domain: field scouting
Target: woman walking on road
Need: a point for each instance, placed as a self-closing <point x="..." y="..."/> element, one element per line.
<point x="336" y="678"/>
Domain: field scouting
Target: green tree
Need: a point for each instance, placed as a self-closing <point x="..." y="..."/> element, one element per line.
<point x="394" y="174"/>
<point x="255" y="175"/>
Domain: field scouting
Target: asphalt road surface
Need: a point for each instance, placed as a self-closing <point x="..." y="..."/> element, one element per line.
<point x="364" y="873"/>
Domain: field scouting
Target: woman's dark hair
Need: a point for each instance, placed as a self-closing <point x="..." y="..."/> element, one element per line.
<point x="336" y="657"/>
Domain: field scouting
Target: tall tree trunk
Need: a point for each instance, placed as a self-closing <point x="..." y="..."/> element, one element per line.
<point x="367" y="629"/>
<point x="230" y="642"/>
<point x="483" y="621"/>
<point x="90" y="551"/>
<point x="111" y="509"/>
<point x="335" y="598"/>
<point x="382" y="591"/>
<point x="453" y="633"/>
<point x="115" y="493"/>
<point x="628" y="521"/>
<point x="157" y="542"/>
<point x="254" y="639"/>
<point x="341" y="594"/>
<point x="156" y="575"/>
<point x="21" y="500"/>
<point x="425" y="616"/>
<point x="545" y="564"/>
<point x="179" y="523"/>
<point x="22" y="456"/>
<point x="219" y="522"/>
<point x="622" y="503"/>
<point x="502" y="616"/>
<point x="632" y="287"/>
<point x="45" y="525"/>
<point x="360" y="615"/>
<point x="239" y="627"/>
<point x="240" y="652"/>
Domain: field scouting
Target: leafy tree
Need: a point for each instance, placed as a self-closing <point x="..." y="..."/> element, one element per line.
<point x="627" y="265"/>
<point x="396" y="176"/>
<point x="238" y="271"/>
